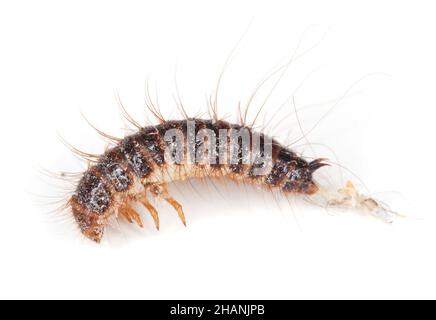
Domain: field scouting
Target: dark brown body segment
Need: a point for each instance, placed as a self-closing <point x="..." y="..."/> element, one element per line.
<point x="138" y="156"/>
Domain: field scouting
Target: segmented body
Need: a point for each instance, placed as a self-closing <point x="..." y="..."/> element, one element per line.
<point x="137" y="168"/>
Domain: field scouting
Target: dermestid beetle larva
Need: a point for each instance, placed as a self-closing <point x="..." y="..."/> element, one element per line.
<point x="141" y="165"/>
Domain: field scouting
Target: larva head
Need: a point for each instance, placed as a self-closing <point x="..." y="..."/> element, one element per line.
<point x="90" y="205"/>
<point x="90" y="224"/>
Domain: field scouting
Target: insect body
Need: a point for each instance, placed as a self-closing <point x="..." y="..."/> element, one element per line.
<point x="141" y="165"/>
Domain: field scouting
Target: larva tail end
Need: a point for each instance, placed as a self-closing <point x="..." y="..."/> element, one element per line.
<point x="316" y="164"/>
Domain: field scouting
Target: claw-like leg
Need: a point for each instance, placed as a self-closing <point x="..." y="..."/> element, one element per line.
<point x="151" y="210"/>
<point x="161" y="191"/>
<point x="178" y="208"/>
<point x="131" y="215"/>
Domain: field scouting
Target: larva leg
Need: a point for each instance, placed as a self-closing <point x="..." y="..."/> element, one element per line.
<point x="131" y="215"/>
<point x="178" y="208"/>
<point x="153" y="212"/>
<point x="161" y="191"/>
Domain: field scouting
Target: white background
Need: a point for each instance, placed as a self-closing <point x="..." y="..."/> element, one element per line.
<point x="60" y="58"/>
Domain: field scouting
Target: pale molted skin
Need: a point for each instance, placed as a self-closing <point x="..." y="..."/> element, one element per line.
<point x="136" y="167"/>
